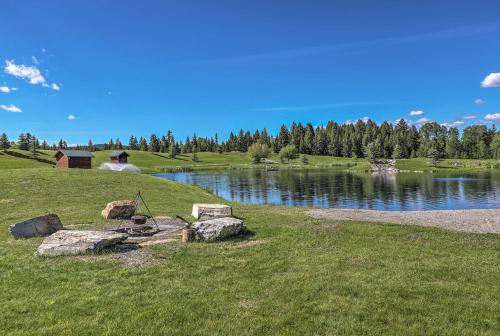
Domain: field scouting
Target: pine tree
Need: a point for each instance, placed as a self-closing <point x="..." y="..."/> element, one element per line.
<point x="172" y="151"/>
<point x="154" y="144"/>
<point x="22" y="142"/>
<point x="143" y="144"/>
<point x="90" y="146"/>
<point x="4" y="142"/>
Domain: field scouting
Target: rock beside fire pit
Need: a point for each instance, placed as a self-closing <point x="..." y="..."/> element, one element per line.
<point x="218" y="228"/>
<point x="73" y="242"/>
<point x="119" y="210"/>
<point x="211" y="211"/>
<point x="38" y="226"/>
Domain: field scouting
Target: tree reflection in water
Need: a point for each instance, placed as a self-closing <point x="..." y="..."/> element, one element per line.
<point x="333" y="188"/>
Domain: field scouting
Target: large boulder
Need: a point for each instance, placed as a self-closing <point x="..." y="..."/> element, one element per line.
<point x="119" y="210"/>
<point x="211" y="211"/>
<point x="218" y="228"/>
<point x="38" y="226"/>
<point x="72" y="242"/>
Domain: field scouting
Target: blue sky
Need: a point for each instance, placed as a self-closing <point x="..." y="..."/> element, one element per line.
<point x="99" y="69"/>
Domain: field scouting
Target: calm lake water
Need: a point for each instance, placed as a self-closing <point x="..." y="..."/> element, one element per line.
<point x="329" y="188"/>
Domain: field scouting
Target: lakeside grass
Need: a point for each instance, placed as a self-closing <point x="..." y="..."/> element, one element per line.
<point x="305" y="277"/>
<point x="160" y="162"/>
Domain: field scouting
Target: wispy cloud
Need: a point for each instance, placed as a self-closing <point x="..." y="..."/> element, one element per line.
<point x="456" y="123"/>
<point x="492" y="117"/>
<point x="416" y="113"/>
<point x="456" y="32"/>
<point x="313" y="107"/>
<point x="35" y="60"/>
<point x="6" y="89"/>
<point x="469" y="117"/>
<point x="492" y="80"/>
<point x="479" y="101"/>
<point x="71" y="117"/>
<point x="422" y="121"/>
<point x="11" y="108"/>
<point x="29" y="73"/>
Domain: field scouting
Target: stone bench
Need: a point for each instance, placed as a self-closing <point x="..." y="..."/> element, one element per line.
<point x="210" y="211"/>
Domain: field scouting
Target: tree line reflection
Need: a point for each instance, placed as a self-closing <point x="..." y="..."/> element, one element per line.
<point x="330" y="188"/>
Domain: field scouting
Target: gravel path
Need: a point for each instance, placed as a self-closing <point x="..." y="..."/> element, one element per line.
<point x="481" y="221"/>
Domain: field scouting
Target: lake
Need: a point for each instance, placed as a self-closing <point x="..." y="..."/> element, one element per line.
<point x="328" y="188"/>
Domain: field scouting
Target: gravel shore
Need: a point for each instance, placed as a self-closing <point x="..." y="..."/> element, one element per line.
<point x="480" y="221"/>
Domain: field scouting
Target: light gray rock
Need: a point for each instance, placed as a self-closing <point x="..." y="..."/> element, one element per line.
<point x="38" y="226"/>
<point x="119" y="210"/>
<point x="210" y="211"/>
<point x="218" y="228"/>
<point x="73" y="242"/>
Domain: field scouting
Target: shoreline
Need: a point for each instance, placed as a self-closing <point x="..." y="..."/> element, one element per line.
<point x="468" y="220"/>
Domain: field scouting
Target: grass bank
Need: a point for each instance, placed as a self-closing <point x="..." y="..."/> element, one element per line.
<point x="299" y="276"/>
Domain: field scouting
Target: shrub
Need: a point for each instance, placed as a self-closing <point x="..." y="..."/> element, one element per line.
<point x="258" y="151"/>
<point x="289" y="153"/>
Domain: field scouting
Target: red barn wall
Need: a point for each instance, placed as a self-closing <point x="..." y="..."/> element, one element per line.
<point x="80" y="162"/>
<point x="62" y="161"/>
<point x="74" y="162"/>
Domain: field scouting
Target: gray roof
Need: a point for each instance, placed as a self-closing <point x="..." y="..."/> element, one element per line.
<point x="118" y="153"/>
<point x="75" y="153"/>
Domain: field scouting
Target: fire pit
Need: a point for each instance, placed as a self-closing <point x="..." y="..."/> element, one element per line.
<point x="138" y="219"/>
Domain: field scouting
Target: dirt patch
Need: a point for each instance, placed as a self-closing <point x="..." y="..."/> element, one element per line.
<point x="479" y="221"/>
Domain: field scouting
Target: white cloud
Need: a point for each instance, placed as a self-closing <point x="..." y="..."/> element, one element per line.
<point x="6" y="89"/>
<point x="479" y="101"/>
<point x="423" y="121"/>
<point x="35" y="60"/>
<point x="365" y="119"/>
<point x="469" y="117"/>
<point x="71" y="117"/>
<point x="492" y="80"/>
<point x="56" y="87"/>
<point x="29" y="73"/>
<point x="44" y="50"/>
<point x="492" y="117"/>
<point x="11" y="108"/>
<point x="453" y="123"/>
<point x="416" y="113"/>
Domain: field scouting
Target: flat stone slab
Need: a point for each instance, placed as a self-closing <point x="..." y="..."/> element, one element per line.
<point x="218" y="228"/>
<point x="35" y="227"/>
<point x="124" y="209"/>
<point x="73" y="242"/>
<point x="209" y="211"/>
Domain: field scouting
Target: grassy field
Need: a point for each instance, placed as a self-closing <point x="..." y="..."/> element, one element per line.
<point x="295" y="276"/>
<point x="159" y="162"/>
<point x="424" y="165"/>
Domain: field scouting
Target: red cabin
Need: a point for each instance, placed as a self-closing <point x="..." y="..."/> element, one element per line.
<point x="119" y="157"/>
<point x="73" y="159"/>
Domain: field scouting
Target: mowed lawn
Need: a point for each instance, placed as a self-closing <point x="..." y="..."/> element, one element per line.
<point x="294" y="276"/>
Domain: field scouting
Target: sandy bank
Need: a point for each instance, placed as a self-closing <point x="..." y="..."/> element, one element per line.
<point x="481" y="221"/>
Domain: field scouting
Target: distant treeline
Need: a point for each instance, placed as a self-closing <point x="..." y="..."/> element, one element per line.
<point x="343" y="140"/>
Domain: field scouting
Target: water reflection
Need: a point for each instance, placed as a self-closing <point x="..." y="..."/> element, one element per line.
<point x="331" y="188"/>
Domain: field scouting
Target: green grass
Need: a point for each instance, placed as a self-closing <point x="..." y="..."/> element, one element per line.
<point x="159" y="162"/>
<point x="306" y="277"/>
<point x="425" y="165"/>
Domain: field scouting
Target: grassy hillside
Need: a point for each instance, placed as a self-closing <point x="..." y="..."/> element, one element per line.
<point x="157" y="162"/>
<point x="295" y="276"/>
